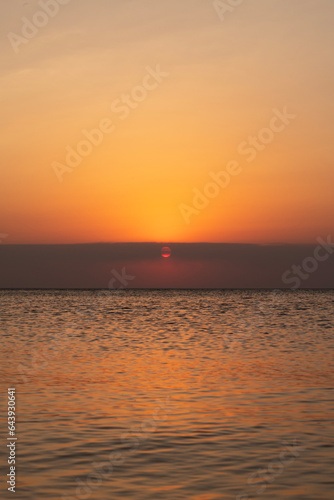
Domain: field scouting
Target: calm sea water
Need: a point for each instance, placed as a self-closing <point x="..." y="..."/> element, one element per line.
<point x="198" y="395"/>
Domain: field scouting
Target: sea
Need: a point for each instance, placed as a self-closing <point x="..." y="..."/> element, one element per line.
<point x="167" y="394"/>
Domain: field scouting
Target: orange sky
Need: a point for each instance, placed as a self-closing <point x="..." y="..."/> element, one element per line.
<point x="221" y="81"/>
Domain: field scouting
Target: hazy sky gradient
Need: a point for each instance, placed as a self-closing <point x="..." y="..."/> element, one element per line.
<point x="225" y="78"/>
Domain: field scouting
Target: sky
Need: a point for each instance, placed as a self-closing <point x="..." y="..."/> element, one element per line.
<point x="169" y="121"/>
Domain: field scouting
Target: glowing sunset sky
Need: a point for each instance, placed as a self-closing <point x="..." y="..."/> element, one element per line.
<point x="221" y="81"/>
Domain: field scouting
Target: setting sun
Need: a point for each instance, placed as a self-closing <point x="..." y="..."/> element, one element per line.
<point x="166" y="252"/>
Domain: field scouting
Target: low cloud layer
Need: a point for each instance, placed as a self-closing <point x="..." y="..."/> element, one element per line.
<point x="140" y="265"/>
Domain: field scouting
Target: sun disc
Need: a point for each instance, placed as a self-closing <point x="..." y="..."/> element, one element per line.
<point x="166" y="252"/>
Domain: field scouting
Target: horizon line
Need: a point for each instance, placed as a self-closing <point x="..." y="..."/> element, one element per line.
<point x="160" y="243"/>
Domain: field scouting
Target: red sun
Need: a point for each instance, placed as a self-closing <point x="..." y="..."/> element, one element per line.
<point x="166" y="252"/>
